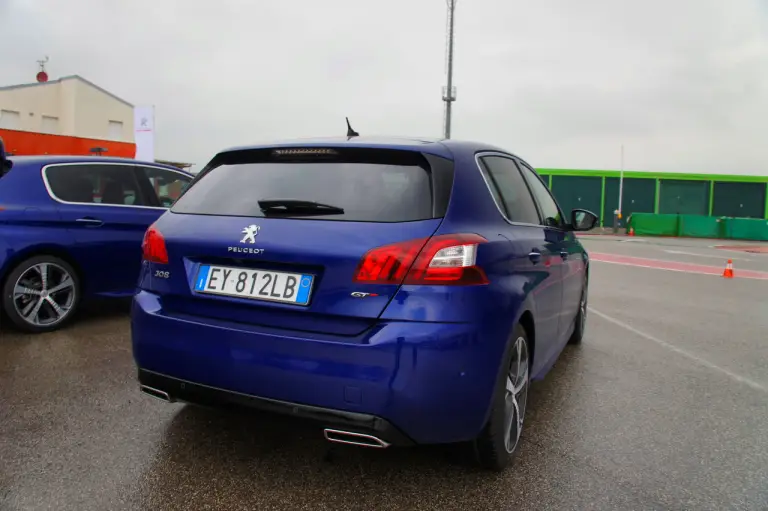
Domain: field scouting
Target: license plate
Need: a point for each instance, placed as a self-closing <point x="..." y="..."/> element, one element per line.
<point x="275" y="286"/>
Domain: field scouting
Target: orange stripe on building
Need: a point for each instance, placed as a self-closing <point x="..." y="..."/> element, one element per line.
<point x="28" y="143"/>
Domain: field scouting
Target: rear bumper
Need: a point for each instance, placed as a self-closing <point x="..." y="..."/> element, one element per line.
<point x="189" y="392"/>
<point x="429" y="382"/>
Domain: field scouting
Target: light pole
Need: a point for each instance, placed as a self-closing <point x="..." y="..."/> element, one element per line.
<point x="621" y="181"/>
<point x="617" y="214"/>
<point x="449" y="92"/>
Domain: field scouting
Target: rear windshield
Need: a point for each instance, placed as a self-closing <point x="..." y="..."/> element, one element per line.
<point x="367" y="192"/>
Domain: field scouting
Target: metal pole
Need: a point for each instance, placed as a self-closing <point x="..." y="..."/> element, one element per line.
<point x="448" y="95"/>
<point x="621" y="179"/>
<point x="617" y="215"/>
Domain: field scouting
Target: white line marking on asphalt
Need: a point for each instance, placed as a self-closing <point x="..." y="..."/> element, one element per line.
<point x="758" y="254"/>
<point x="682" y="252"/>
<point x="679" y="351"/>
<point x="656" y="267"/>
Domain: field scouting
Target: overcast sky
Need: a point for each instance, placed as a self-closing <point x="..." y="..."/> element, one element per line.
<point x="683" y="84"/>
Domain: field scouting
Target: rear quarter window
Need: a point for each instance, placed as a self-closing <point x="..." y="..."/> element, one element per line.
<point x="375" y="189"/>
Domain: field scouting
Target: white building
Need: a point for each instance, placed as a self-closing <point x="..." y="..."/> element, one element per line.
<point x="70" y="106"/>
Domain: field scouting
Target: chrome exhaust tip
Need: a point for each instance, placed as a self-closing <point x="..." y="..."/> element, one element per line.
<point x="350" y="438"/>
<point x="156" y="393"/>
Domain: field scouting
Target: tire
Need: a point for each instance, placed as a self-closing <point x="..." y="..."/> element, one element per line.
<point x="499" y="441"/>
<point x="49" y="303"/>
<point x="580" y="324"/>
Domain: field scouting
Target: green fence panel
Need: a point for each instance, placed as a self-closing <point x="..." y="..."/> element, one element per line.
<point x="639" y="196"/>
<point x="699" y="226"/>
<point x="740" y="200"/>
<point x="648" y="224"/>
<point x="574" y="192"/>
<point x="696" y="226"/>
<point x="745" y="229"/>
<point x="683" y="197"/>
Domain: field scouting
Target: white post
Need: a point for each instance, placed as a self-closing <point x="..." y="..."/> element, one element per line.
<point x="621" y="179"/>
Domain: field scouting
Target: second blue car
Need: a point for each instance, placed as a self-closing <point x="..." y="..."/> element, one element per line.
<point x="71" y="228"/>
<point x="395" y="291"/>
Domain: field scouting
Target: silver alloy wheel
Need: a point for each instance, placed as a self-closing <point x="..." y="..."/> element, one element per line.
<point x="516" y="395"/>
<point x="583" y="310"/>
<point x="44" y="294"/>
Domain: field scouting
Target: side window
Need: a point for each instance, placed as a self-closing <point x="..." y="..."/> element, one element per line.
<point x="549" y="209"/>
<point x="167" y="184"/>
<point x="95" y="184"/>
<point x="511" y="193"/>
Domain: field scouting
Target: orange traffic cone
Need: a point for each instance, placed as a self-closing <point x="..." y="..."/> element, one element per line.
<point x="631" y="231"/>
<point x="728" y="273"/>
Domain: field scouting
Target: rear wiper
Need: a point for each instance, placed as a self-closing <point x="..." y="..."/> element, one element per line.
<point x="297" y="207"/>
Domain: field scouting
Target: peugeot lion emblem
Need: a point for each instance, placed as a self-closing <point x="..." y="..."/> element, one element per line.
<point x="250" y="233"/>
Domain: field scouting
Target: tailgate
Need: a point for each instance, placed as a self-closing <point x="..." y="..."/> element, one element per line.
<point x="238" y="252"/>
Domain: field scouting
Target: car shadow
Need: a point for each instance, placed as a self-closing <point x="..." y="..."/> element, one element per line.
<point x="102" y="309"/>
<point x="227" y="459"/>
<point x="90" y="313"/>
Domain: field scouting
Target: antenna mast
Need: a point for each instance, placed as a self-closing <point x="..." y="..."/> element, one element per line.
<point x="449" y="92"/>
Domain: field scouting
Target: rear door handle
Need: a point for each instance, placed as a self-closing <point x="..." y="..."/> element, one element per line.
<point x="535" y="256"/>
<point x="90" y="221"/>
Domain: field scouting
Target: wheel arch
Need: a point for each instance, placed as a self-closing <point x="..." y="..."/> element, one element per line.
<point x="526" y="320"/>
<point x="529" y="325"/>
<point x="41" y="250"/>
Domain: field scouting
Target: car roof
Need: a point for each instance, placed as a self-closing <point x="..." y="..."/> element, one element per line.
<point x="51" y="159"/>
<point x="439" y="147"/>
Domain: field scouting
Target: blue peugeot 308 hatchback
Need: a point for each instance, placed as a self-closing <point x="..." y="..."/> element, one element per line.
<point x="71" y="229"/>
<point x="396" y="291"/>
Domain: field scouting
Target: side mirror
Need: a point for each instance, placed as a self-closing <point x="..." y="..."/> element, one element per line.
<point x="583" y="220"/>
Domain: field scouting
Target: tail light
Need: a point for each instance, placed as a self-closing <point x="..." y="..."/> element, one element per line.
<point x="446" y="260"/>
<point x="153" y="247"/>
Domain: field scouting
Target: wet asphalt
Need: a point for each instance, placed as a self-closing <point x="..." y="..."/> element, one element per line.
<point x="664" y="406"/>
